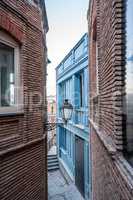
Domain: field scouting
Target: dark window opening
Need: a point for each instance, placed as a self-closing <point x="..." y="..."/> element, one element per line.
<point x="7" y="76"/>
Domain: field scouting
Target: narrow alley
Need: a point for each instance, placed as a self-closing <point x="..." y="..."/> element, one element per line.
<point x="66" y="100"/>
<point x="60" y="189"/>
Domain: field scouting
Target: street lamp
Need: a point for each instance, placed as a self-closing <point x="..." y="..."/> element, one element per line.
<point x="66" y="112"/>
<point x="67" y="109"/>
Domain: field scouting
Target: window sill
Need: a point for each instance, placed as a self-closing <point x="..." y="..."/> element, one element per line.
<point x="124" y="168"/>
<point x="106" y="140"/>
<point x="79" y="126"/>
<point x="126" y="171"/>
<point x="7" y="112"/>
<point x="81" y="109"/>
<point x="11" y="114"/>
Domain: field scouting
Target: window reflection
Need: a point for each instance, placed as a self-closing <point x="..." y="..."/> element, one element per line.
<point x="6" y="76"/>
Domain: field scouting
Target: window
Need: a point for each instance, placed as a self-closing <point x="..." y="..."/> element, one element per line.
<point x="10" y="96"/>
<point x="69" y="143"/>
<point x="68" y="89"/>
<point x="61" y="96"/>
<point x="129" y="83"/>
<point x="79" y="89"/>
<point x="62" y="137"/>
<point x="6" y="76"/>
<point x="65" y="92"/>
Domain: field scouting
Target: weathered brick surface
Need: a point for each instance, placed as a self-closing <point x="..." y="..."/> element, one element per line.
<point x="23" y="150"/>
<point x="22" y="173"/>
<point x="108" y="180"/>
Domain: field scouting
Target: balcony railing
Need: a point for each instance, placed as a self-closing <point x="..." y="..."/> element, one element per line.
<point x="81" y="116"/>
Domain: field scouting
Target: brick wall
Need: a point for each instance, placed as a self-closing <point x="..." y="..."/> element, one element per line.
<point x="23" y="146"/>
<point x="111" y="174"/>
<point x="23" y="173"/>
<point x="107" y="181"/>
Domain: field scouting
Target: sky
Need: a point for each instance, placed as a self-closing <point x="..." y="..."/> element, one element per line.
<point x="67" y="24"/>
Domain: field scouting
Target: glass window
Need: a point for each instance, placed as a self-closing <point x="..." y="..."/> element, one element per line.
<point x="79" y="90"/>
<point x="69" y="143"/>
<point x="11" y="92"/>
<point x="62" y="94"/>
<point x="6" y="76"/>
<point x="63" y="138"/>
<point x="129" y="82"/>
<point x="68" y="84"/>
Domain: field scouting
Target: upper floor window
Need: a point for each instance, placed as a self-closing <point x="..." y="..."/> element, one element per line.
<point x="79" y="87"/>
<point x="65" y="91"/>
<point x="61" y="96"/>
<point x="129" y="82"/>
<point x="9" y="75"/>
<point x="6" y="75"/>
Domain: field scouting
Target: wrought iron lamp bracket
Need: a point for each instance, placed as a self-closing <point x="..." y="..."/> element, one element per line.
<point x="49" y="126"/>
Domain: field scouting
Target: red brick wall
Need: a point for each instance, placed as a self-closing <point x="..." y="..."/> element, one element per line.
<point x="110" y="179"/>
<point x="107" y="181"/>
<point x="23" y="173"/>
<point x="23" y="146"/>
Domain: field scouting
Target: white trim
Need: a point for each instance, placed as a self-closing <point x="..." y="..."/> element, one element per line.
<point x="11" y="109"/>
<point x="18" y="107"/>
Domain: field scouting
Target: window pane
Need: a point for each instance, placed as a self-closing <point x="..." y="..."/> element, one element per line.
<point x="79" y="85"/>
<point x="62" y="138"/>
<point x="129" y="79"/>
<point x="81" y="90"/>
<point x="6" y="76"/>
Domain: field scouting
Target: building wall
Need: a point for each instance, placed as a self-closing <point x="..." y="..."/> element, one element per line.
<point x="22" y="140"/>
<point x="111" y="173"/>
<point x="70" y="73"/>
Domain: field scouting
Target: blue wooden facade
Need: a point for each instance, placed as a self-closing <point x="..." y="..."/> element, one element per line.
<point x="72" y="84"/>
